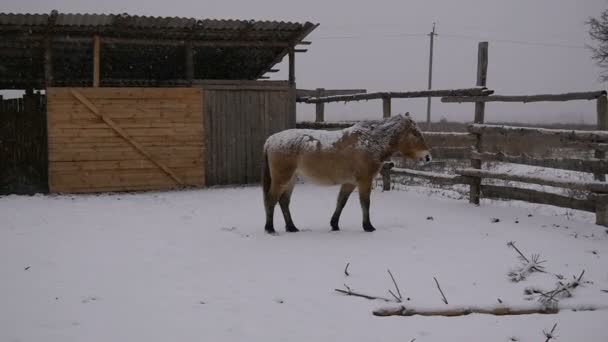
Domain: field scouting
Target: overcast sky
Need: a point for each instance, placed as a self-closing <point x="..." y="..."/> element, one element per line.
<point x="536" y="46"/>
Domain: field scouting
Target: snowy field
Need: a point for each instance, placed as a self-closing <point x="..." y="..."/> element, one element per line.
<point x="197" y="266"/>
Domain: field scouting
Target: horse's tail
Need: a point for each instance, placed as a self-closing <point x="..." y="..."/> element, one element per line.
<point x="266" y="179"/>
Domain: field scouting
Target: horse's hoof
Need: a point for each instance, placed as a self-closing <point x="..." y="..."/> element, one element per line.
<point x="335" y="228"/>
<point x="292" y="229"/>
<point x="369" y="228"/>
<point x="270" y="230"/>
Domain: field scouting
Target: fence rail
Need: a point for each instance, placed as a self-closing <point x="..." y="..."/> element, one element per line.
<point x="590" y="95"/>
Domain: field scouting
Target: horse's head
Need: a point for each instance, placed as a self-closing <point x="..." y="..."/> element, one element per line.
<point x="411" y="143"/>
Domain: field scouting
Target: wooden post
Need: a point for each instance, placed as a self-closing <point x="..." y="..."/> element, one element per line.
<point x="601" y="209"/>
<point x="96" y="60"/>
<point x="386" y="107"/>
<point x="602" y="125"/>
<point x="386" y="175"/>
<point x="320" y="106"/>
<point x="189" y="54"/>
<point x="292" y="66"/>
<point x="482" y="73"/>
<point x="48" y="61"/>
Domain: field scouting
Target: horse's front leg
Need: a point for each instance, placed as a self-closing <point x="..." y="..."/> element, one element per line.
<point x="345" y="192"/>
<point x="365" y="189"/>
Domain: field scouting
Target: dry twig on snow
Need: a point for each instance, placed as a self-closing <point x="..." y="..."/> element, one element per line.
<point x="397" y="297"/>
<point x="350" y="292"/>
<point x="346" y="269"/>
<point x="550" y="334"/>
<point x="533" y="264"/>
<point x="562" y="290"/>
<point x="439" y="287"/>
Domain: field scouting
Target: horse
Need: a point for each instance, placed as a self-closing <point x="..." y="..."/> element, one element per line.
<point x="350" y="157"/>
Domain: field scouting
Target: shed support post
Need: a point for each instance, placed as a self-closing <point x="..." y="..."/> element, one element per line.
<point x="601" y="209"/>
<point x="292" y="66"/>
<point x="320" y="106"/>
<point x="482" y="73"/>
<point x="96" y="60"/>
<point x="602" y="125"/>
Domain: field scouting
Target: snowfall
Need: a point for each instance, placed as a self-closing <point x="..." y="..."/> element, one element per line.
<point x="196" y="265"/>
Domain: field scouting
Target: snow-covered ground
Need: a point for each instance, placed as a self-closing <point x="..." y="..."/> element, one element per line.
<point x="197" y="266"/>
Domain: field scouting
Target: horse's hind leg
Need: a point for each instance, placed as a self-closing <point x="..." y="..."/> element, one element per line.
<point x="343" y="195"/>
<point x="365" y="189"/>
<point x="284" y="203"/>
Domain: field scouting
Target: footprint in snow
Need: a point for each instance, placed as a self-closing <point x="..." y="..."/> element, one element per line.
<point x="89" y="299"/>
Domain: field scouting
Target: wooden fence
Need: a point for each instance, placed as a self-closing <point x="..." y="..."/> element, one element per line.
<point x="594" y="193"/>
<point x="23" y="145"/>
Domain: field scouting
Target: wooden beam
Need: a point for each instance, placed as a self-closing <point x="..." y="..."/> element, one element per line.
<point x="400" y="95"/>
<point x="534" y="196"/>
<point x="590" y="95"/>
<point x="480" y="107"/>
<point x="303" y="93"/>
<point x="300" y="50"/>
<point x="435" y="177"/>
<point x="171" y="42"/>
<point x="324" y="125"/>
<point x="600" y="187"/>
<point x="602" y="125"/>
<point x="580" y="165"/>
<point x="386" y="107"/>
<point x="96" y="60"/>
<point x="121" y="132"/>
<point x="273" y="70"/>
<point x="562" y="134"/>
<point x="292" y="66"/>
<point x="305" y="42"/>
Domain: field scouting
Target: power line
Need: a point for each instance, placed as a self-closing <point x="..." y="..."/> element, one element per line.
<point x="458" y="36"/>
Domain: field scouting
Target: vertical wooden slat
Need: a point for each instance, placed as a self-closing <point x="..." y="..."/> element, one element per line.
<point x="189" y="55"/>
<point x="96" y="60"/>
<point x="48" y="62"/>
<point x="320" y="107"/>
<point x="386" y="107"/>
<point x="482" y="71"/>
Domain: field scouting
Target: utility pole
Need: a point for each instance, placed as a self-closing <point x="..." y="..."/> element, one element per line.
<point x="428" y="101"/>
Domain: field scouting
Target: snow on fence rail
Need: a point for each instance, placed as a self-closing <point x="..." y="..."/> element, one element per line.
<point x="590" y="95"/>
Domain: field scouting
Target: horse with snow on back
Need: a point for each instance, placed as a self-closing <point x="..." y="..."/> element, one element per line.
<point x="351" y="157"/>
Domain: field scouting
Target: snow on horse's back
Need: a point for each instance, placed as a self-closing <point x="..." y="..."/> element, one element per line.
<point x="350" y="157"/>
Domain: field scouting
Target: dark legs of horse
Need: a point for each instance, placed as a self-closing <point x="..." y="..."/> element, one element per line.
<point x="343" y="195"/>
<point x="365" y="189"/>
<point x="284" y="203"/>
<point x="269" y="203"/>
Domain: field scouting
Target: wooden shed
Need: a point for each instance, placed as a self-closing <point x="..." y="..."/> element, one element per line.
<point x="124" y="103"/>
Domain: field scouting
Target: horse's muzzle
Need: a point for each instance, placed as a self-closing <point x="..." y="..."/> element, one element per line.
<point x="425" y="157"/>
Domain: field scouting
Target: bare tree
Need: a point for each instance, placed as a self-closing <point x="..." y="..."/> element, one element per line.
<point x="598" y="30"/>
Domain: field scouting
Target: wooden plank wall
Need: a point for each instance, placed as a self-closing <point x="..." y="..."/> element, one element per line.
<point x="239" y="119"/>
<point x="87" y="155"/>
<point x="23" y="145"/>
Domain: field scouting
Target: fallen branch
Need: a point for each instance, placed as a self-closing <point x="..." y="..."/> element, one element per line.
<point x="350" y="292"/>
<point x="497" y="311"/>
<point x="439" y="287"/>
<point x="562" y="290"/>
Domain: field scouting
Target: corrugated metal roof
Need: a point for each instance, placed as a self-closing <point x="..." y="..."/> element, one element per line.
<point x="134" y="21"/>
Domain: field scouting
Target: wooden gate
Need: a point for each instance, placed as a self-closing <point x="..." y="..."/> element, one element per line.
<point x="124" y="139"/>
<point x="240" y="116"/>
<point x="23" y="145"/>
